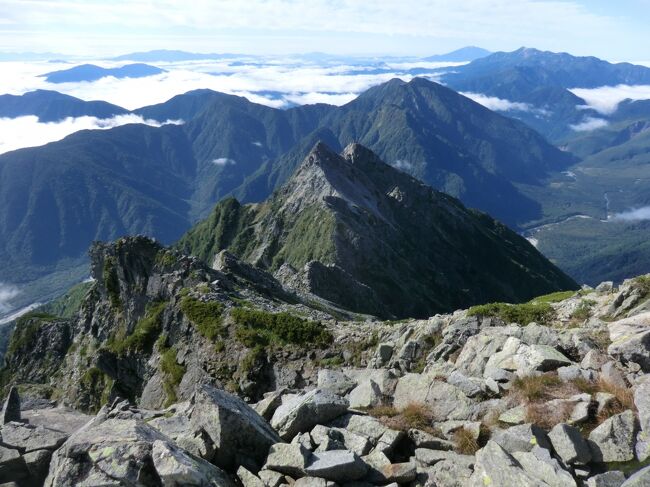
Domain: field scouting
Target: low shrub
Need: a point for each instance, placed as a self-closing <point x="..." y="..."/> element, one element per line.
<point x="205" y="316"/>
<point x="553" y="297"/>
<point x="260" y="328"/>
<point x="173" y="374"/>
<point x="144" y="334"/>
<point x="516" y="313"/>
<point x="465" y="442"/>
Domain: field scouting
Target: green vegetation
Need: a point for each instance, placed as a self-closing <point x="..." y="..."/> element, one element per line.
<point x="144" y="334"/>
<point x="261" y="328"/>
<point x="250" y="360"/>
<point x="205" y="316"/>
<point x="166" y="258"/>
<point x="111" y="282"/>
<point x="642" y="283"/>
<point x="357" y="348"/>
<point x="173" y="374"/>
<point x="98" y="386"/>
<point x="69" y="304"/>
<point x="583" y="311"/>
<point x="27" y="326"/>
<point x="553" y="297"/>
<point x="515" y="313"/>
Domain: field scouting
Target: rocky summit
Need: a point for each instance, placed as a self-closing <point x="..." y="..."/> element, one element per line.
<point x="356" y="232"/>
<point x="172" y="372"/>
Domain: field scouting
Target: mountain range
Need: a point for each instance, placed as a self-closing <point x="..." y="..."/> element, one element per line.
<point x="90" y="72"/>
<point x="58" y="198"/>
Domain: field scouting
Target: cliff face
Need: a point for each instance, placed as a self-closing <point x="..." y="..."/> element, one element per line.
<point x="354" y="231"/>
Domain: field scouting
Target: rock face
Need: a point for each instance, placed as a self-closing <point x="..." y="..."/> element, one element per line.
<point x="351" y="211"/>
<point x="11" y="408"/>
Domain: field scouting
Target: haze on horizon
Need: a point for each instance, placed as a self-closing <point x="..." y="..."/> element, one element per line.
<point x="613" y="31"/>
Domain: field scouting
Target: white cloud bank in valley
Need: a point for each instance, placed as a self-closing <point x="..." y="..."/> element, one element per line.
<point x="606" y="99"/>
<point x="27" y="131"/>
<point x="637" y="214"/>
<point x="7" y="293"/>
<point x="589" y="124"/>
<point x="498" y="104"/>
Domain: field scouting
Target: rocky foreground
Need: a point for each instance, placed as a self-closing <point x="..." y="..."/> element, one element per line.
<point x="555" y="392"/>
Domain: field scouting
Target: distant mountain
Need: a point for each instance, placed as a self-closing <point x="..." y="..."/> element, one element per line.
<point x="165" y="55"/>
<point x="56" y="199"/>
<point x="445" y="140"/>
<point x="469" y="53"/>
<point x="52" y="106"/>
<point x="369" y="238"/>
<point x="90" y="72"/>
<point x="540" y="81"/>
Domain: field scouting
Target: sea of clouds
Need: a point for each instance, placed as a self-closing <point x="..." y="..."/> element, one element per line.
<point x="7" y="293"/>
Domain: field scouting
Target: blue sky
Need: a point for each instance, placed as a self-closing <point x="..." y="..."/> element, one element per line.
<point x="615" y="30"/>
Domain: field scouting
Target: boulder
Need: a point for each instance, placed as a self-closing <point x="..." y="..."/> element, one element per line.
<point x="366" y="395"/>
<point x="471" y="386"/>
<point x="445" y="401"/>
<point x="540" y="464"/>
<point x="271" y="478"/>
<point x="613" y="478"/>
<point x="639" y="479"/>
<point x="336" y="381"/>
<point x="524" y="437"/>
<point x="175" y="467"/>
<point x="27" y="438"/>
<point x="642" y="403"/>
<point x="630" y="339"/>
<point x="12" y="465"/>
<point x="427" y="457"/>
<point x="514" y="416"/>
<point x="569" y="444"/>
<point x="288" y="459"/>
<point x="609" y="373"/>
<point x="11" y="407"/>
<point x="381" y="470"/>
<point x="234" y="428"/>
<point x="362" y="425"/>
<point x="445" y="473"/>
<point x="614" y="439"/>
<point x="388" y="442"/>
<point x="494" y="466"/>
<point x="422" y="439"/>
<point x="337" y="465"/>
<point x="248" y="479"/>
<point x="304" y="412"/>
<point x="128" y="452"/>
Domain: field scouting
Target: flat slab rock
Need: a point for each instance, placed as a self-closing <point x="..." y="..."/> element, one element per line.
<point x="337" y="465"/>
<point x="27" y="437"/>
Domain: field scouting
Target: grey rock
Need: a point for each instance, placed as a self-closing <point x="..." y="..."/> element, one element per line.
<point x="603" y="400"/>
<point x="514" y="416"/>
<point x="569" y="373"/>
<point x="337" y="465"/>
<point x="384" y="352"/>
<point x="38" y="463"/>
<point x="445" y="473"/>
<point x="430" y="457"/>
<point x="381" y="470"/>
<point x="304" y="412"/>
<point x="422" y="439"/>
<point x="470" y="386"/>
<point x="613" y="478"/>
<point x="366" y="426"/>
<point x="176" y="468"/>
<point x="27" y="437"/>
<point x="593" y="360"/>
<point x="524" y="438"/>
<point x="609" y="373"/>
<point x="305" y="439"/>
<point x="271" y="478"/>
<point x="313" y="482"/>
<point x="631" y="340"/>
<point x="235" y="429"/>
<point x="12" y="465"/>
<point x="638" y="479"/>
<point x="605" y="287"/>
<point x="288" y="459"/>
<point x="445" y="401"/>
<point x="642" y="403"/>
<point x="642" y="447"/>
<point x="569" y="444"/>
<point x="494" y="466"/>
<point x="267" y="406"/>
<point x="248" y="479"/>
<point x="387" y="442"/>
<point x="539" y="463"/>
<point x="614" y="439"/>
<point x="336" y="381"/>
<point x="366" y="395"/>
<point x="11" y="407"/>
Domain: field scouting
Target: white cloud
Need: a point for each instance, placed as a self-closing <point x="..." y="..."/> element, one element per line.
<point x="637" y="214"/>
<point x="498" y="104"/>
<point x="589" y="123"/>
<point x="258" y="144"/>
<point x="402" y="165"/>
<point x="607" y="98"/>
<point x="7" y="293"/>
<point x="224" y="161"/>
<point x="314" y="97"/>
<point x="27" y="131"/>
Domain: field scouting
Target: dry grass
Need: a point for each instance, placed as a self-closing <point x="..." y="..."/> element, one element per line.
<point x="535" y="392"/>
<point x="465" y="442"/>
<point x="413" y="416"/>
